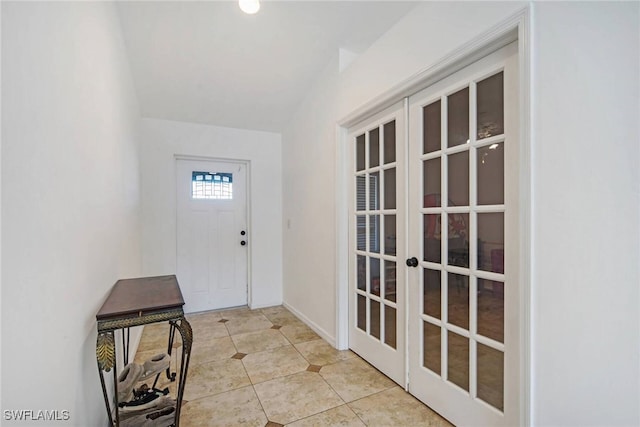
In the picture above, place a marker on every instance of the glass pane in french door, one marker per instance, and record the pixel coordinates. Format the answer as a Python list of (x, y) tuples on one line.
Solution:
[(490, 368), (374, 172)]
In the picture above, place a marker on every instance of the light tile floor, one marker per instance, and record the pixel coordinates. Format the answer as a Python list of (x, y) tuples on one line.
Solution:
[(267, 368)]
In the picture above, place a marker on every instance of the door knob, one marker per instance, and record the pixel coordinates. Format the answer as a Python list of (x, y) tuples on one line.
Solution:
[(412, 262), (243, 242), (242, 233)]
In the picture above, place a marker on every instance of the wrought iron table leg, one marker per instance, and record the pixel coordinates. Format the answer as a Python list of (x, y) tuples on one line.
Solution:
[(125, 345), (187, 340), (172, 333), (106, 357)]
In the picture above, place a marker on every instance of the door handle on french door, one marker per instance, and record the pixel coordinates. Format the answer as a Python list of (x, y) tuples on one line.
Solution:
[(412, 262), (243, 242)]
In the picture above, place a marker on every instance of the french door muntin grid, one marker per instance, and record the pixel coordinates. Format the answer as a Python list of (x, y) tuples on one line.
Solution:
[(372, 210), (473, 272)]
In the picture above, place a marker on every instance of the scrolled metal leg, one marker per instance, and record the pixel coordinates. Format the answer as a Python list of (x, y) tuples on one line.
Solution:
[(172, 333), (106, 358)]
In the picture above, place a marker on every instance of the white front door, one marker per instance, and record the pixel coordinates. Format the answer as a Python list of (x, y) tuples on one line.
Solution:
[(212, 235)]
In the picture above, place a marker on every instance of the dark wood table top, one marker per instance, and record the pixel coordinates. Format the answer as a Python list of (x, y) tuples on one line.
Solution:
[(141, 296)]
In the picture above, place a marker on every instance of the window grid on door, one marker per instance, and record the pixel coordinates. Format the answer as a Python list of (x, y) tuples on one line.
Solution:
[(464, 343), (211, 185), (376, 213)]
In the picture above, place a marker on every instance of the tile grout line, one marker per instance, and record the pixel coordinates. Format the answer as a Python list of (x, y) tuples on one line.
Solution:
[(364, 397), (255, 392), (295, 373), (344, 403), (327, 410), (222, 361), (306, 359), (326, 382), (297, 351), (267, 349), (253, 386)]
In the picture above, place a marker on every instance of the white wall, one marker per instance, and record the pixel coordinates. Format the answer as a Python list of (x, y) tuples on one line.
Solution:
[(309, 141), (585, 315), (70, 199), (309, 174), (427, 34), (161, 140), (586, 205)]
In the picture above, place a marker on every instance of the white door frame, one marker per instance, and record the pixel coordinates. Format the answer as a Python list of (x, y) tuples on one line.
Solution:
[(514, 28), (247, 164)]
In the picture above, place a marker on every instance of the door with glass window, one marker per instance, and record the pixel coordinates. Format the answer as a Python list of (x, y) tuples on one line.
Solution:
[(463, 222), (377, 276), (447, 245), (212, 235)]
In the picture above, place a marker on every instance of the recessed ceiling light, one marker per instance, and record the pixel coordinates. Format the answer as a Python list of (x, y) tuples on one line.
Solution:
[(249, 6)]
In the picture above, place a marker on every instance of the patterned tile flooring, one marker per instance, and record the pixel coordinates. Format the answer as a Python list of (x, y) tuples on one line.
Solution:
[(267, 368)]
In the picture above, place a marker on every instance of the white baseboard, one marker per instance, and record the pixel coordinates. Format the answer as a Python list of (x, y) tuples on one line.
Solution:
[(317, 329), (265, 305)]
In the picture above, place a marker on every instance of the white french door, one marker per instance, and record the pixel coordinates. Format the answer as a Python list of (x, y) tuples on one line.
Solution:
[(463, 222), (377, 297), (212, 237), (460, 268)]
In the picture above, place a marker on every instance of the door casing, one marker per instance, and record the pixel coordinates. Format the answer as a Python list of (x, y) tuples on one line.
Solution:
[(247, 165)]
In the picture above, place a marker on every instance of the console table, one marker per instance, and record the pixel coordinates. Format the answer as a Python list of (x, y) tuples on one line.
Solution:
[(135, 302)]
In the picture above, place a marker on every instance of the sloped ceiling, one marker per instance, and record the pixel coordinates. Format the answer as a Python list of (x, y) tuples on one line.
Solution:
[(208, 62)]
